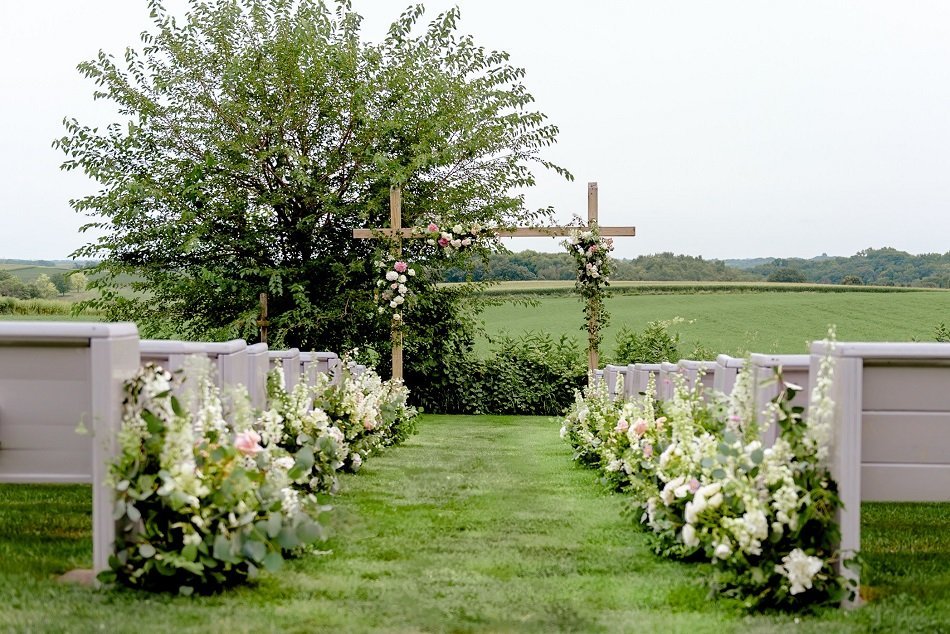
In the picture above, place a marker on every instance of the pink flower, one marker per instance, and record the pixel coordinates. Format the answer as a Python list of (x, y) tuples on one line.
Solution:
[(400, 267), (693, 485), (659, 422), (432, 228), (647, 450), (640, 427), (592, 248), (443, 242), (622, 426), (248, 442)]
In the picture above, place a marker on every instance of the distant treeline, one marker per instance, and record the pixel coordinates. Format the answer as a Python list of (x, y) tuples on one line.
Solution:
[(881, 267)]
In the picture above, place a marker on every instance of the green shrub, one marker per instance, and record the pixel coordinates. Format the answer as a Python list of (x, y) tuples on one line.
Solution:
[(654, 345), (532, 374), (942, 333)]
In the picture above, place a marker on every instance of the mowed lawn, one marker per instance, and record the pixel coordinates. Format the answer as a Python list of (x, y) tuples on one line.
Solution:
[(477, 524), (737, 322)]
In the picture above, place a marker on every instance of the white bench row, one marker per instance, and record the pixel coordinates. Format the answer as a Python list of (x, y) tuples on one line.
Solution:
[(719, 375), (891, 424), (56, 378)]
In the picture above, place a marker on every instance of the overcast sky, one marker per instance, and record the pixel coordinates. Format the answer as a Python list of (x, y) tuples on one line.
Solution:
[(722, 129)]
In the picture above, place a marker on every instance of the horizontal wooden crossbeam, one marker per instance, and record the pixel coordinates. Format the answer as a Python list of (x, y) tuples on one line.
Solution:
[(521, 232)]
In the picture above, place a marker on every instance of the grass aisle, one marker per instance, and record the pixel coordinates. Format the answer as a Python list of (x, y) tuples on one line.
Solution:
[(477, 524)]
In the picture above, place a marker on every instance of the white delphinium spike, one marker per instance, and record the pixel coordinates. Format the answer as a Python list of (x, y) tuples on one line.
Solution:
[(818, 424)]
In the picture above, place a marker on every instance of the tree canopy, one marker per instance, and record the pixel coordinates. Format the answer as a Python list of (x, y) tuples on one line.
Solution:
[(255, 135)]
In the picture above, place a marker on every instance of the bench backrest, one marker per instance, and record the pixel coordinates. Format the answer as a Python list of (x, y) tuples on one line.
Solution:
[(891, 435), (258, 364), (795, 369), (289, 360), (54, 376), (725, 372)]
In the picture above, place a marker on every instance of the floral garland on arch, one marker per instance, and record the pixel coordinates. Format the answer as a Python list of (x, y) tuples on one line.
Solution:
[(399, 280), (591, 253), (396, 284)]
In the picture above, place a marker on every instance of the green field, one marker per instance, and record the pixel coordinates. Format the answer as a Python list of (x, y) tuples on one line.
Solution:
[(735, 322)]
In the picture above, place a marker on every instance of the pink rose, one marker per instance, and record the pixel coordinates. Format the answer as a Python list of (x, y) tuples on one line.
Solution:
[(248, 442), (622, 426), (647, 451), (432, 228), (693, 485), (640, 427), (443, 242), (659, 422), (400, 267)]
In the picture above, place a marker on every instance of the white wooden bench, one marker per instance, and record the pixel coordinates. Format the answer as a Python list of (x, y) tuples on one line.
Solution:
[(289, 361), (229, 357), (724, 375), (698, 374), (795, 369), (258, 364), (314, 363), (55, 376), (891, 436), (665, 384), (643, 372)]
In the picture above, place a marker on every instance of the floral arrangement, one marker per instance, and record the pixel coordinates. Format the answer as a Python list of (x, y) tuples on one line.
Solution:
[(705, 486), (591, 253), (453, 239), (206, 499), (370, 413), (201, 503), (394, 287), (291, 422)]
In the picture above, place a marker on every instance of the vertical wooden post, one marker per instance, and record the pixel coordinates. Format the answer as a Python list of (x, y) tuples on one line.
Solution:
[(262, 322), (395, 222), (593, 355)]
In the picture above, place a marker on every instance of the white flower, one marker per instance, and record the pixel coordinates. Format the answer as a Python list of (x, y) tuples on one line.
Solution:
[(723, 550), (401, 279), (393, 304), (285, 462), (356, 460), (403, 289), (392, 276), (689, 536), (399, 299), (457, 229), (456, 243), (800, 569), (411, 272)]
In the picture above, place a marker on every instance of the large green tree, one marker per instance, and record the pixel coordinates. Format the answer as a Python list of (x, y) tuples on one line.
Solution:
[(256, 134)]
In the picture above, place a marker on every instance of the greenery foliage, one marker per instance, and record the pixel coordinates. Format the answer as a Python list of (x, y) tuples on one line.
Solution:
[(654, 345), (942, 333), (260, 133), (531, 374)]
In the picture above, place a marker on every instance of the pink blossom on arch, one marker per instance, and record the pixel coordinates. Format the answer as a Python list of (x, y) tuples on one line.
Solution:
[(432, 228), (443, 242), (400, 267)]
